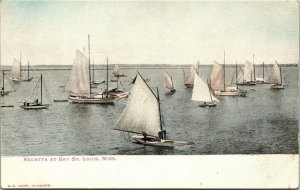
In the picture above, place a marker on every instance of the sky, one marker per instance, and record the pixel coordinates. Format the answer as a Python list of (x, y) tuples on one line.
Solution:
[(150, 32)]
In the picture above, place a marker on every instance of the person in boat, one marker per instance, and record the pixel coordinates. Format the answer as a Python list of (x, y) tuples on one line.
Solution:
[(145, 136), (2, 90), (162, 134)]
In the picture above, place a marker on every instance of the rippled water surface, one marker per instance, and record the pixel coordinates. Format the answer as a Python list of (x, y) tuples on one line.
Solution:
[(266, 121)]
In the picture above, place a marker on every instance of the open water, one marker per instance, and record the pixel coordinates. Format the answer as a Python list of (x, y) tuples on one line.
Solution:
[(264, 122)]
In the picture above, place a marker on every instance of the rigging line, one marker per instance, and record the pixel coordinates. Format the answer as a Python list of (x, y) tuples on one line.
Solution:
[(32, 95), (47, 92), (10, 83)]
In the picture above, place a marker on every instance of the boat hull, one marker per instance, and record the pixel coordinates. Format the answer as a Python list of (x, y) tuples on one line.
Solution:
[(153, 142), (247, 83), (230, 93), (34, 107), (189, 85), (27, 80), (85, 100), (277, 86), (208, 104)]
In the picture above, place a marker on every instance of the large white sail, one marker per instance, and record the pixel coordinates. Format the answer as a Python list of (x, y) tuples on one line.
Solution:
[(191, 76), (16, 69), (168, 81), (141, 113), (79, 80), (275, 76), (248, 72), (201, 91), (216, 78)]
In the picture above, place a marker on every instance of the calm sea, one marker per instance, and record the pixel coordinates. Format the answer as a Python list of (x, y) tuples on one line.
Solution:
[(266, 121)]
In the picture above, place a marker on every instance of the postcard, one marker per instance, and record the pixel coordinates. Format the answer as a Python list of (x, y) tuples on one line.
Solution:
[(149, 94)]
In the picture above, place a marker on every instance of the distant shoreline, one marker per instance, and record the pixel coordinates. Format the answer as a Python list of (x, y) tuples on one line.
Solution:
[(131, 66)]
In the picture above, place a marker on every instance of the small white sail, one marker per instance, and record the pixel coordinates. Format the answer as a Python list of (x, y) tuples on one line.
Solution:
[(141, 113), (275, 76), (117, 71), (216, 78), (191, 76), (79, 79), (168, 81), (248, 72), (201, 91), (16, 69)]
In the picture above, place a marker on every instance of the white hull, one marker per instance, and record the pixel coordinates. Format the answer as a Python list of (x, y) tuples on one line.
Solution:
[(16, 80), (85, 100), (34, 107), (230, 93), (153, 142)]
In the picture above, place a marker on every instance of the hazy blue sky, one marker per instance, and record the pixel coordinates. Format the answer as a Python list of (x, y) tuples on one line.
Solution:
[(150, 32)]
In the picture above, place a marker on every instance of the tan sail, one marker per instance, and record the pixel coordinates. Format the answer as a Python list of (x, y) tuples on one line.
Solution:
[(190, 78), (275, 76), (141, 114), (248, 72), (168, 81), (216, 78)]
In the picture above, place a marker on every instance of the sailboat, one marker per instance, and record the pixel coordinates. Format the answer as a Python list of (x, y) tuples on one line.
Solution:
[(247, 77), (189, 81), (275, 77), (79, 84), (117, 72), (169, 83), (17, 72), (202, 93), (36, 104), (217, 83), (3, 90), (146, 122)]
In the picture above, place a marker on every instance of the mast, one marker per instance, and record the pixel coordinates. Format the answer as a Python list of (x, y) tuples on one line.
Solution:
[(236, 82), (224, 71), (89, 64), (28, 70), (159, 109), (264, 71), (20, 65), (93, 71), (280, 76), (3, 80), (253, 68), (41, 89), (106, 77)]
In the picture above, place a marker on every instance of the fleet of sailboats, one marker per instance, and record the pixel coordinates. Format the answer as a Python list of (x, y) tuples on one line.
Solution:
[(202, 93), (169, 83), (275, 77)]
